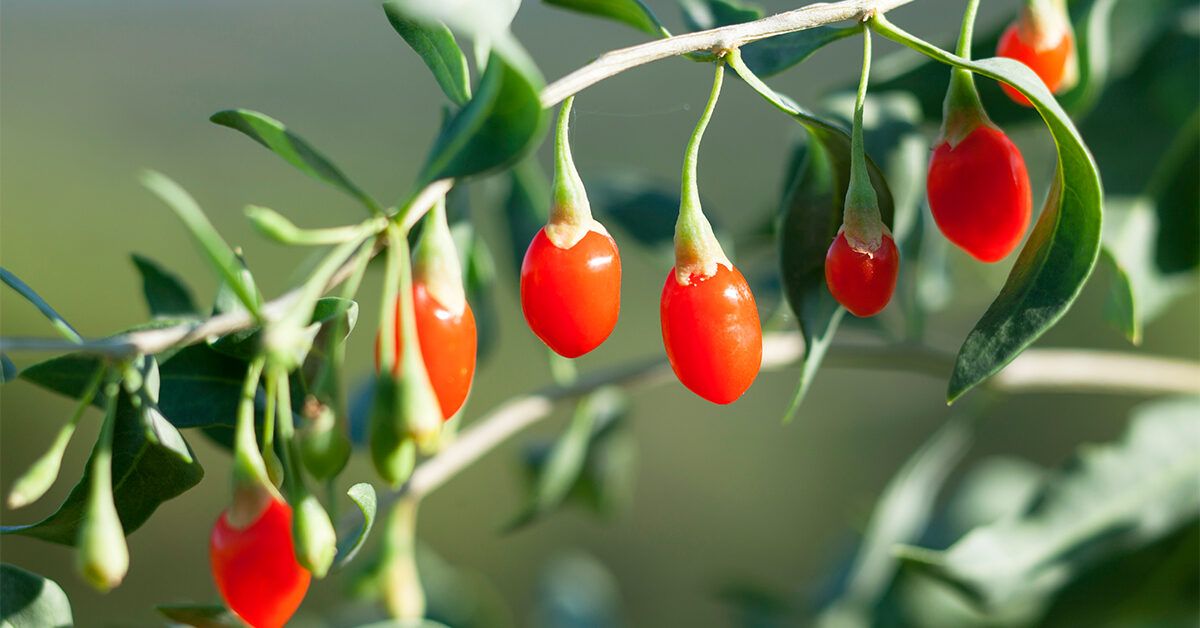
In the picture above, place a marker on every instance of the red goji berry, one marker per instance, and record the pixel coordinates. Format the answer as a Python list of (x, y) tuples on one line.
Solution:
[(572, 297), (712, 334), (862, 280), (1041, 39), (255, 566), (979, 193)]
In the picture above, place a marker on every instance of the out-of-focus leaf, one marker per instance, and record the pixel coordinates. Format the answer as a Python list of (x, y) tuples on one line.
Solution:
[(166, 294), (219, 254), (1098, 33), (634, 13), (436, 46), (901, 516), (28, 600), (479, 279), (144, 474), (1061, 251), (526, 207), (56, 320), (643, 208), (810, 216), (501, 122), (558, 473), (200, 615), (67, 375), (363, 496), (142, 383), (278, 139), (576, 591), (993, 489), (766, 56), (1115, 498)]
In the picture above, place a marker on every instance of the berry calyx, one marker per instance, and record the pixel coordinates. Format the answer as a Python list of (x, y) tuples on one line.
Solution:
[(571, 274), (862, 279), (1042, 39), (712, 334), (571, 297), (862, 263), (979, 193), (254, 565)]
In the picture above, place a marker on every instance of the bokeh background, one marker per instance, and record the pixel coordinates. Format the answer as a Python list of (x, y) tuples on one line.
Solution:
[(94, 91)]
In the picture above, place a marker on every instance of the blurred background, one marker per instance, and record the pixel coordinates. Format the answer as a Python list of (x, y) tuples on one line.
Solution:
[(726, 503)]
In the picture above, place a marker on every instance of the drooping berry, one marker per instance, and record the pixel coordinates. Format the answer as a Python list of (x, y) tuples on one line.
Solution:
[(572, 297), (255, 566), (712, 333), (861, 279), (979, 193), (1040, 38), (448, 342), (571, 274)]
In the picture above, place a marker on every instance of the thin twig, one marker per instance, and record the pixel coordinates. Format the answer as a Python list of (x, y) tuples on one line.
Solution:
[(1059, 370)]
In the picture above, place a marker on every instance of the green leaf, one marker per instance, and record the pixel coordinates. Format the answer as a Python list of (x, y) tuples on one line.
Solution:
[(1114, 498), (166, 294), (811, 215), (633, 13), (766, 56), (272, 134), (502, 121), (59, 323), (901, 515), (67, 375), (642, 208), (200, 615), (28, 600), (223, 258), (142, 382), (559, 473), (144, 476), (487, 20), (1140, 289), (437, 48), (526, 207), (363, 495), (1060, 253)]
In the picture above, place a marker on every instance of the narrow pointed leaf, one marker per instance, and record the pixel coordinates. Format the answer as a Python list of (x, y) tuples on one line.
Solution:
[(436, 46), (60, 324), (166, 294), (277, 138)]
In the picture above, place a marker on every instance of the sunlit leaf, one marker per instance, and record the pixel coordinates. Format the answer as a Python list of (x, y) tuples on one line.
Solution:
[(436, 46), (28, 600), (277, 138), (363, 496)]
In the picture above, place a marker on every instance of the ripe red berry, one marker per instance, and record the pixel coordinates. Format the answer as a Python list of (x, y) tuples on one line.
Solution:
[(1047, 55), (255, 567), (448, 342), (712, 334), (862, 281), (571, 297), (979, 193)]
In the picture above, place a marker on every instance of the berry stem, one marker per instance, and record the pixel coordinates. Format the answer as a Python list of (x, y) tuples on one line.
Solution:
[(252, 487), (861, 220), (697, 251), (436, 262), (962, 111), (569, 207)]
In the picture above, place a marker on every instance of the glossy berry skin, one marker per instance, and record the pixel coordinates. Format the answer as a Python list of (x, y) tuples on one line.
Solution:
[(979, 193), (572, 297), (448, 345), (862, 282), (255, 567), (1048, 62), (712, 334)]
